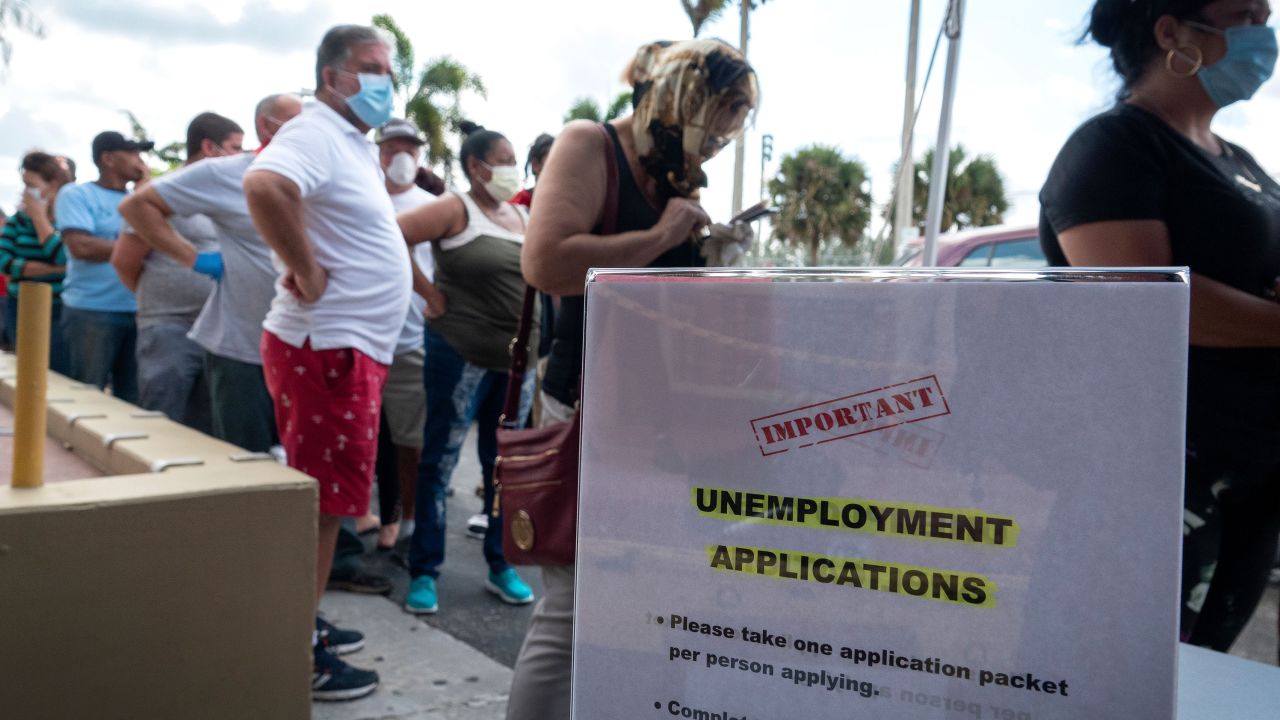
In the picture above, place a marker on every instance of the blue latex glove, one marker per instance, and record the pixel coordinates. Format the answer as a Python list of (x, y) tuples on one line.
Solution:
[(209, 263)]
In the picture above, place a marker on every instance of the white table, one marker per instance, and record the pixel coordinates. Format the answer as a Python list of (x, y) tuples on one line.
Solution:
[(1212, 685)]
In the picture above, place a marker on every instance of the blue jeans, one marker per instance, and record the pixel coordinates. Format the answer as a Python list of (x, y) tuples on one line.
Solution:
[(58, 360), (100, 347), (458, 394)]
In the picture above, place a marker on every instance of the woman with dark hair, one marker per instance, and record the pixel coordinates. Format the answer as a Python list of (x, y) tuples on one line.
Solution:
[(1148, 183), (473, 307), (537, 157), (690, 100), (31, 248)]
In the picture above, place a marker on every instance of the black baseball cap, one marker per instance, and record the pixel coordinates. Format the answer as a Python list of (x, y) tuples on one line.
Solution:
[(112, 140)]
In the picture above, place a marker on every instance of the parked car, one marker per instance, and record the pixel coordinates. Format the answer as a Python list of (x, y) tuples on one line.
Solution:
[(1001, 246)]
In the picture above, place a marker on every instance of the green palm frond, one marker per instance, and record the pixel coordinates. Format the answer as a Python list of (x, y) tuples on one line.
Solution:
[(16, 15), (822, 200), (583, 109), (701, 12), (402, 63), (975, 195)]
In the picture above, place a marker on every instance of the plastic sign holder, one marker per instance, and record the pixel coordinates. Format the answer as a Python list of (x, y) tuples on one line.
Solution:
[(881, 494)]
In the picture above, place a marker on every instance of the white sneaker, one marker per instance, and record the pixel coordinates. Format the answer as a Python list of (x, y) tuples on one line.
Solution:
[(477, 526)]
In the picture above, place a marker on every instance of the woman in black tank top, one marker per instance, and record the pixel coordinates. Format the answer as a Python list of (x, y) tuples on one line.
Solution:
[(635, 212), (570, 231)]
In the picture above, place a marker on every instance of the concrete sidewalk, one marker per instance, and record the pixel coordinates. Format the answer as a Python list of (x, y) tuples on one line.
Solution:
[(426, 673)]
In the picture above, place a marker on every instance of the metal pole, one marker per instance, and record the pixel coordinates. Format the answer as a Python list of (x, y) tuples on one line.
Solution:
[(906, 166), (35, 306), (942, 150), (766, 154), (740, 146)]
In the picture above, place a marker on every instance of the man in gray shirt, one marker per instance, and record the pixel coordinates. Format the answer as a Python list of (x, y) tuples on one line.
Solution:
[(170, 296), (229, 328)]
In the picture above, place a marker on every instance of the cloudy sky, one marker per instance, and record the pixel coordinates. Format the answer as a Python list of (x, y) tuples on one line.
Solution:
[(831, 71)]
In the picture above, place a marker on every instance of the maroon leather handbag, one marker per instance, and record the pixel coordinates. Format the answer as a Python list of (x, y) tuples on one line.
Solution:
[(536, 473)]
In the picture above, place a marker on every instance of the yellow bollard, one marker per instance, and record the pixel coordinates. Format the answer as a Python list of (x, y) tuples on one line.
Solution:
[(35, 306)]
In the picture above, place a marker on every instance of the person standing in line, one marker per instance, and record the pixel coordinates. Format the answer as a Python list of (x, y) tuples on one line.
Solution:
[(404, 400), (1148, 183), (537, 157), (31, 249), (659, 152), (473, 305), (170, 296), (98, 310), (317, 197), (538, 152), (229, 326)]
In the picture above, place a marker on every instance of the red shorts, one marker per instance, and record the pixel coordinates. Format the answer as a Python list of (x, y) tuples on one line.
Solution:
[(327, 406)]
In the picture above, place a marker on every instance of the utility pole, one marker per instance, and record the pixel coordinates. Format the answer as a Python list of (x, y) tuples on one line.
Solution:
[(942, 151), (740, 146), (766, 154), (906, 165)]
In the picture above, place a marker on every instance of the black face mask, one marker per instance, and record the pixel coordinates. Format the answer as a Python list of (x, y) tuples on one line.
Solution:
[(666, 163)]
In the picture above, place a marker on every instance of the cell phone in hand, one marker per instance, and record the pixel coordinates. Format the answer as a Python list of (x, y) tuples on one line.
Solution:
[(753, 213)]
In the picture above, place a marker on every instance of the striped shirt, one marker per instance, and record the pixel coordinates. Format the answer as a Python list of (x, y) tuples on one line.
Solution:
[(20, 244)]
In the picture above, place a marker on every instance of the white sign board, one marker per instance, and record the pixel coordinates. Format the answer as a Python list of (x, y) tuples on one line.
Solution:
[(894, 494)]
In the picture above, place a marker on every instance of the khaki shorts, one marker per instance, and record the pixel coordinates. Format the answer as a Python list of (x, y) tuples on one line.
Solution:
[(404, 399)]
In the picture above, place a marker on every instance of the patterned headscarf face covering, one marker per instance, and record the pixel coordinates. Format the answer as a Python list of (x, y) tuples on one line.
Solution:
[(691, 99)]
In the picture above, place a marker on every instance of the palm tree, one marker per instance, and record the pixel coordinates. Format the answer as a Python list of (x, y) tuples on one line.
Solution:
[(16, 15), (702, 12), (975, 195), (822, 198), (585, 108), (620, 106), (433, 98), (173, 155), (437, 105), (402, 63)]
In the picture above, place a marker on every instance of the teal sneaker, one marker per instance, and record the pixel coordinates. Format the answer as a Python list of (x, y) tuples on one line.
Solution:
[(422, 596), (508, 586)]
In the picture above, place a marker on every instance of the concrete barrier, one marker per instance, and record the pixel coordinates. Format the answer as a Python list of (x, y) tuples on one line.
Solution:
[(181, 586)]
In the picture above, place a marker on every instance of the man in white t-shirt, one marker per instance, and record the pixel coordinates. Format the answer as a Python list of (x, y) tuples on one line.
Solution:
[(404, 397), (317, 198)]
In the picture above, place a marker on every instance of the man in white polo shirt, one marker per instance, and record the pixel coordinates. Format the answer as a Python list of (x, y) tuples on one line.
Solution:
[(317, 198)]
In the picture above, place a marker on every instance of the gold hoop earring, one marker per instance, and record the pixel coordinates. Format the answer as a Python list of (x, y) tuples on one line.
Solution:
[(1195, 67)]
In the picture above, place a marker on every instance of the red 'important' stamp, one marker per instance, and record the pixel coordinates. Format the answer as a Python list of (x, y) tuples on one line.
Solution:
[(851, 415)]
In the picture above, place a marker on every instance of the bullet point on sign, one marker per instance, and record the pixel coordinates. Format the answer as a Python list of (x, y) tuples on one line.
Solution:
[(659, 619), (657, 706)]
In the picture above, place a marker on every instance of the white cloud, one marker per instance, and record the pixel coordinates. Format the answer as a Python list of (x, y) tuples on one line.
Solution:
[(254, 23), (831, 71), (1056, 24)]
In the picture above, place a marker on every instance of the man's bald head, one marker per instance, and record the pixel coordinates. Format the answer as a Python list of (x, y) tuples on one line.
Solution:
[(272, 112)]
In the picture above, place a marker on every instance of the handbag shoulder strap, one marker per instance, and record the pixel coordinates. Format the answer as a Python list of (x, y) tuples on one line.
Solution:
[(520, 344)]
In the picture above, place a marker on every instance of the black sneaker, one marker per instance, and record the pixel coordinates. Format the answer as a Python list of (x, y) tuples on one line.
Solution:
[(362, 582), (332, 679), (336, 640)]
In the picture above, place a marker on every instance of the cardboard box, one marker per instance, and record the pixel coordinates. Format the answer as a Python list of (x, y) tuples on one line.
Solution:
[(184, 594)]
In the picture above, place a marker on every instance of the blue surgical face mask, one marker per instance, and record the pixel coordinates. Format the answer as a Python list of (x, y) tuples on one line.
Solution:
[(1249, 62), (372, 104)]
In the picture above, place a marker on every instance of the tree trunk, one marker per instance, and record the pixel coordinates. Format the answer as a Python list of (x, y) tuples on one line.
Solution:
[(813, 251)]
